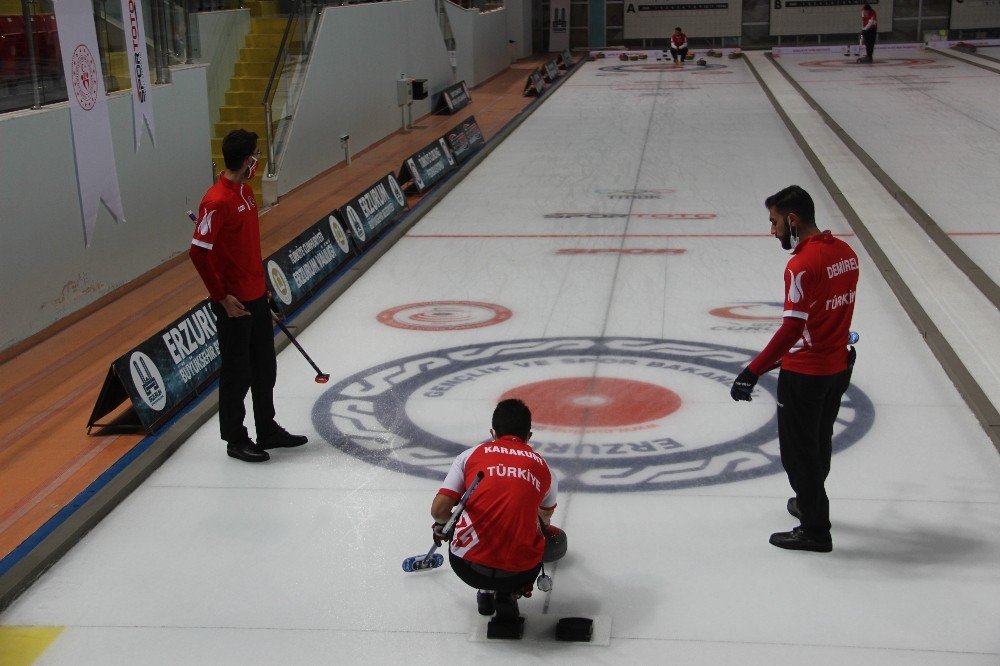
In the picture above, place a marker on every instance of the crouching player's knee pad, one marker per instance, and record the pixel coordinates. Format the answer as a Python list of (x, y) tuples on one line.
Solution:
[(555, 544)]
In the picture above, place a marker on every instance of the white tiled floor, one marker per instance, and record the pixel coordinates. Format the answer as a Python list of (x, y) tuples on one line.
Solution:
[(295, 561)]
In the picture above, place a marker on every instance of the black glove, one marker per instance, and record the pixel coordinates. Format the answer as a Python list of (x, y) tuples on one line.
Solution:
[(743, 386), (439, 536)]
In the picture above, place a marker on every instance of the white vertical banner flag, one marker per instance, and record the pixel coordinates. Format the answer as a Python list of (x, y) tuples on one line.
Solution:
[(135, 41), (558, 25), (96, 171)]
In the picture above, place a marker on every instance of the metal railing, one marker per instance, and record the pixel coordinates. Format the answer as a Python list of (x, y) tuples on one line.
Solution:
[(285, 83)]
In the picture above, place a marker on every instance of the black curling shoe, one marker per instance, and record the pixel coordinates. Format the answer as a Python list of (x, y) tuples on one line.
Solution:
[(280, 439), (247, 451), (799, 539)]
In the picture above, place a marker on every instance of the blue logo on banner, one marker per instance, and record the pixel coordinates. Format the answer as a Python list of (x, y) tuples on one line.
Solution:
[(604, 417)]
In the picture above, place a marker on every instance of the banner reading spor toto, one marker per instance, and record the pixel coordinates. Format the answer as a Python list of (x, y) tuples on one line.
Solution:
[(96, 172), (303, 265), (135, 43), (163, 373), (372, 212)]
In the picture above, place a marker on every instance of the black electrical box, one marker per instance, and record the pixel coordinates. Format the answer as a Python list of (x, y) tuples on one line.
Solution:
[(419, 89)]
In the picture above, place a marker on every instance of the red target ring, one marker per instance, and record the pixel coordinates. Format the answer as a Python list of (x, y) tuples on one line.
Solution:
[(595, 401)]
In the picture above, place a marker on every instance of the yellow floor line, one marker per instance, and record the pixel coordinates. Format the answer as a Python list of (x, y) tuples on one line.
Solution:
[(21, 646)]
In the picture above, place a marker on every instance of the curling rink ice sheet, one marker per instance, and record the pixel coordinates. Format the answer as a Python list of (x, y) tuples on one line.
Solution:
[(932, 123), (611, 264)]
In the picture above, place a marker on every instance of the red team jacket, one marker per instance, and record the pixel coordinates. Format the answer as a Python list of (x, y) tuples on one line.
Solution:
[(229, 229), (821, 280), (869, 19), (678, 41), (499, 528)]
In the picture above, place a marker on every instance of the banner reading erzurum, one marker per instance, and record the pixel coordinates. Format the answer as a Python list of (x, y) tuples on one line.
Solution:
[(96, 171), (135, 42)]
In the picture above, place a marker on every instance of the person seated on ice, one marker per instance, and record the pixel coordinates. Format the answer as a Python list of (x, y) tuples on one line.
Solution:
[(498, 543), (678, 45)]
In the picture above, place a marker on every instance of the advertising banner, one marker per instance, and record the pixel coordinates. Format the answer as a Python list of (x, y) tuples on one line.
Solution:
[(135, 43), (372, 212), (566, 59), (558, 25), (164, 372), (303, 265), (971, 15), (551, 71), (825, 17), (455, 97), (465, 139), (96, 171), (535, 84), (656, 19), (427, 166)]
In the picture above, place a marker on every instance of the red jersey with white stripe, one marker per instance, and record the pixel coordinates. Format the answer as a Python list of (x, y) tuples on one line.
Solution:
[(821, 280), (499, 528), (869, 19), (229, 231), (678, 40)]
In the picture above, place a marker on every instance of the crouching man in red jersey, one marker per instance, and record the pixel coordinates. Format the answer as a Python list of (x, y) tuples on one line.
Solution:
[(498, 543)]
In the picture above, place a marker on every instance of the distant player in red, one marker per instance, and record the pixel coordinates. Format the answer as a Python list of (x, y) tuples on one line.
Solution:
[(821, 281), (225, 250), (498, 543), (678, 45), (869, 31)]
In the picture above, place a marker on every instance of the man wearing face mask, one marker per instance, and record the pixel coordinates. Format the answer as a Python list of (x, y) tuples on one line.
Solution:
[(811, 347), (226, 252)]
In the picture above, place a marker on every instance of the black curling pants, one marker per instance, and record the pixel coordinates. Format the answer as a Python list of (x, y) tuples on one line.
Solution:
[(807, 410), (679, 53), (869, 37), (248, 364), (485, 578)]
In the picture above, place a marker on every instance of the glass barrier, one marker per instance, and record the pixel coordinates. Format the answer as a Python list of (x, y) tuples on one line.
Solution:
[(287, 75), (31, 72)]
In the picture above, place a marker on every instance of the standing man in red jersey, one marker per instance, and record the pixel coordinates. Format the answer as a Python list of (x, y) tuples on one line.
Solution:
[(821, 280), (869, 31), (226, 252), (498, 543)]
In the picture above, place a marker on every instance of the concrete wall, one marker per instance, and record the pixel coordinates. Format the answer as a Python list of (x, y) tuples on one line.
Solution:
[(219, 36), (519, 26), (481, 42), (46, 271), (350, 87)]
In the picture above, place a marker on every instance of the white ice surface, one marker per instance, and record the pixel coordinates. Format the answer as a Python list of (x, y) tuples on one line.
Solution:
[(933, 124), (297, 561)]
